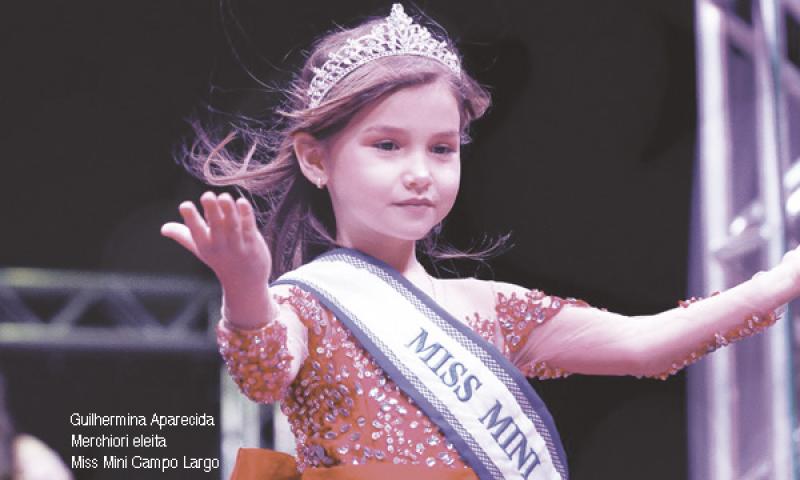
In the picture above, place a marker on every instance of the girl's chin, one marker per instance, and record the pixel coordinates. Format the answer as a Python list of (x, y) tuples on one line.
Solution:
[(389, 238), (414, 230), (416, 236), (411, 235)]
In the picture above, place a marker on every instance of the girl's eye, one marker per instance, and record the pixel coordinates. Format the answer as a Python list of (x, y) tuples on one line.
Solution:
[(442, 149), (386, 145)]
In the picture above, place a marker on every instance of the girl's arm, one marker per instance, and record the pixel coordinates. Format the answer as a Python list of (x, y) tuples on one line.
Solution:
[(264, 361), (572, 337), (263, 343)]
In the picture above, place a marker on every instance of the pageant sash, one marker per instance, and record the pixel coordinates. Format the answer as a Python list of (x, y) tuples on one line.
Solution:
[(481, 402)]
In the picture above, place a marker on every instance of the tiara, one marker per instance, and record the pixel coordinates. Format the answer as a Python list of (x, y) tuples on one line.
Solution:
[(397, 35)]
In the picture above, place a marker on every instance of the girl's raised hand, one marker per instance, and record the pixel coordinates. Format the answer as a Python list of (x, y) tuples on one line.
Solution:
[(227, 239), (790, 264)]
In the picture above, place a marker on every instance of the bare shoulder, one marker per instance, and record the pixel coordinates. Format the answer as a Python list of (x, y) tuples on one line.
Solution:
[(478, 287), (463, 287), (508, 289), (476, 295)]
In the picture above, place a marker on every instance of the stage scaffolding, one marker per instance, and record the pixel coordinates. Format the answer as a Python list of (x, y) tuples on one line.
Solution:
[(85, 311), (742, 410)]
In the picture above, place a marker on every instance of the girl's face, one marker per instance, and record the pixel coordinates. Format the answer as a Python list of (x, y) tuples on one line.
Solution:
[(393, 172)]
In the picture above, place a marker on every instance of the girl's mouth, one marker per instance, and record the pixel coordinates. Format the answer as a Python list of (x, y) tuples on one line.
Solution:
[(417, 202)]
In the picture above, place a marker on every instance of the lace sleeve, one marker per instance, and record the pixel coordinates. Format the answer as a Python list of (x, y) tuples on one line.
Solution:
[(518, 316), (751, 324), (263, 362), (546, 340)]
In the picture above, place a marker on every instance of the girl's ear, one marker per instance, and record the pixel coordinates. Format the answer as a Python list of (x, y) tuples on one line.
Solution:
[(310, 154)]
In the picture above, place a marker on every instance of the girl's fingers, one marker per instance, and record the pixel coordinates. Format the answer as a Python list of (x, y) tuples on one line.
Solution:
[(231, 215), (247, 218), (181, 234), (213, 212), (195, 223)]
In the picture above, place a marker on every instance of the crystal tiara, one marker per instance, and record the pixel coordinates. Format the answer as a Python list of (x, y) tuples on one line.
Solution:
[(397, 35)]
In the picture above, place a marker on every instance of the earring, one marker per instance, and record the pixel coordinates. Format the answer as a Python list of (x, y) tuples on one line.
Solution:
[(319, 182)]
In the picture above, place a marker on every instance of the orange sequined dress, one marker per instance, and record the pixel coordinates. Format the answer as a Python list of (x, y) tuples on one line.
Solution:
[(344, 410)]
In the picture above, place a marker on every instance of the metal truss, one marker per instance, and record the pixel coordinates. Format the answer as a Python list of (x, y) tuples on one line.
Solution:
[(742, 421), (88, 311), (102, 311)]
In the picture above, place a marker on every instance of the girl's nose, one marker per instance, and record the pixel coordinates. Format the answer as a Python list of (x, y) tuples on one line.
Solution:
[(418, 175), (419, 183)]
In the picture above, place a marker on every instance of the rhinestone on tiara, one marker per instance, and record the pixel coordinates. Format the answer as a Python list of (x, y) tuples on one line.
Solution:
[(397, 35)]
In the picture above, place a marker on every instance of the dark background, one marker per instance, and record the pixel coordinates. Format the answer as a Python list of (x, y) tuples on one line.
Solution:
[(586, 157)]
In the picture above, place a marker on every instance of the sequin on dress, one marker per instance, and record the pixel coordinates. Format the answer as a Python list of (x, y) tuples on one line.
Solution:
[(752, 324), (343, 409)]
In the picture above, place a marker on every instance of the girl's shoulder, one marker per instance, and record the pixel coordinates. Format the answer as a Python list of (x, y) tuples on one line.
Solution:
[(477, 288), (462, 297), (291, 300), (282, 289), (473, 295)]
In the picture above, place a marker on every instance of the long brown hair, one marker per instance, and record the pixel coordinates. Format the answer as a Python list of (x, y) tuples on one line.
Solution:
[(297, 218)]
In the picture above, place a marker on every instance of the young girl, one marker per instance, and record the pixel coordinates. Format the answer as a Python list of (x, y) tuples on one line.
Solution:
[(382, 369)]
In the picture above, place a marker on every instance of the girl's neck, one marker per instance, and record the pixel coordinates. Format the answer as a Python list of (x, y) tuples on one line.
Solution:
[(401, 256)]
